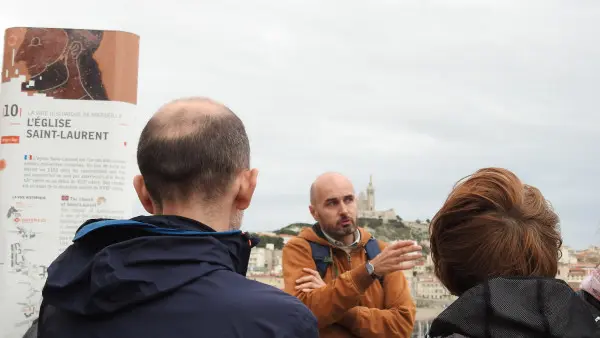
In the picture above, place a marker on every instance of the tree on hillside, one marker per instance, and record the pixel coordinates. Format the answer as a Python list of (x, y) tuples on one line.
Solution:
[(371, 223), (292, 229), (264, 240), (396, 223), (286, 232)]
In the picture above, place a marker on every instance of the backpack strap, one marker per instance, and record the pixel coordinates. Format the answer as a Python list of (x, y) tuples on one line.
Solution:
[(320, 254), (372, 249)]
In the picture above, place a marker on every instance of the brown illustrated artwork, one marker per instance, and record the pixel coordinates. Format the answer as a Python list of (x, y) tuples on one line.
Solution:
[(73, 64), (61, 63)]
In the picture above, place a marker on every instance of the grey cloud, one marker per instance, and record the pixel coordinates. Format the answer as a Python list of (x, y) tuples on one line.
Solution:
[(418, 93)]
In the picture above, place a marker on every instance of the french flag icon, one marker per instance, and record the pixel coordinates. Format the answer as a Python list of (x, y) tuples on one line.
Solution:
[(27, 157)]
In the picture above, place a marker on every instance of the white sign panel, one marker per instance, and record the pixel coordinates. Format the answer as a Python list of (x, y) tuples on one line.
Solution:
[(64, 156)]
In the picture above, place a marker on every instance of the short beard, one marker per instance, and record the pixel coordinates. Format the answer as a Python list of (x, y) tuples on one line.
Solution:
[(339, 234), (235, 221)]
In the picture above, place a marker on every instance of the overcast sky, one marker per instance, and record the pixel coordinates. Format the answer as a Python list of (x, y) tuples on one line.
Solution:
[(417, 93)]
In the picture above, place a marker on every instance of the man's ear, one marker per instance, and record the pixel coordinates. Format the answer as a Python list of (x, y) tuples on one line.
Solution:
[(140, 188), (246, 189), (313, 212)]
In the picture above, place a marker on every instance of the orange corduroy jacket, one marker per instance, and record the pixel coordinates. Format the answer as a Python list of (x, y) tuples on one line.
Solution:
[(352, 304)]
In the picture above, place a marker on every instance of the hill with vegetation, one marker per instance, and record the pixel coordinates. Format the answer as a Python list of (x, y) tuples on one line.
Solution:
[(264, 240), (387, 232)]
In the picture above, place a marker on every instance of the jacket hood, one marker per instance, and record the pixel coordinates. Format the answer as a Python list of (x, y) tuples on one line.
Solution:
[(116, 264), (516, 307), (315, 234)]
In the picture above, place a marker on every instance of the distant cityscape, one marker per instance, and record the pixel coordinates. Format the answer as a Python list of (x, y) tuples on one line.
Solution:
[(430, 296)]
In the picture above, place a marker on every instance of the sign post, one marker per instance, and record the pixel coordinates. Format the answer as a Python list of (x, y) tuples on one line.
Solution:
[(67, 101)]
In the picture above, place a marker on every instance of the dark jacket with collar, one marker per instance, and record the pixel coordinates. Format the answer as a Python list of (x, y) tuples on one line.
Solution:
[(170, 277), (516, 307)]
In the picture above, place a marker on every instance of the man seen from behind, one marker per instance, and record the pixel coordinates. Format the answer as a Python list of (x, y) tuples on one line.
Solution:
[(180, 272)]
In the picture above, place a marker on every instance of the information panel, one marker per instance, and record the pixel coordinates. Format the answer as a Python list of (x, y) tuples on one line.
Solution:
[(67, 101)]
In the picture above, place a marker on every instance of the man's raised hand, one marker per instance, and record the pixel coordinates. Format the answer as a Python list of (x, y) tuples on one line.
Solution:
[(398, 256)]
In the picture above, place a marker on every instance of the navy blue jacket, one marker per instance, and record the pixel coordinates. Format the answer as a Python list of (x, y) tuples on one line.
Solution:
[(167, 276)]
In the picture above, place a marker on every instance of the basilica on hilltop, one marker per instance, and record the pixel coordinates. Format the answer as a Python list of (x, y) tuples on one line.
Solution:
[(366, 205)]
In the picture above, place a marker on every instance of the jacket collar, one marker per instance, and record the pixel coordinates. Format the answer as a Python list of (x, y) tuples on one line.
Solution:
[(357, 237)]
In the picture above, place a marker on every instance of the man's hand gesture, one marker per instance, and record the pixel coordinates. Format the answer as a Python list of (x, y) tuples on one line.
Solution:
[(398, 256), (309, 282)]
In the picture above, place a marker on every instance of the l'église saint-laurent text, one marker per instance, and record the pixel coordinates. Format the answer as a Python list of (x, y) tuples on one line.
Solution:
[(60, 130)]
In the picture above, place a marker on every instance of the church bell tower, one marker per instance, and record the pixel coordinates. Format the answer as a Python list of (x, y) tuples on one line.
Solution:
[(370, 195)]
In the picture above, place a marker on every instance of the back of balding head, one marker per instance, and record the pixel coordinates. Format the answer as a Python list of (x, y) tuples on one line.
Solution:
[(192, 146), (185, 116)]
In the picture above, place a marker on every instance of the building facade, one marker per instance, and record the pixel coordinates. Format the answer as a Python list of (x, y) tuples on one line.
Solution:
[(265, 260)]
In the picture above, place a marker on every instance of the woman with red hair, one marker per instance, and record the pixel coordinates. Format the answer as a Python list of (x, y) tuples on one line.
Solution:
[(495, 244)]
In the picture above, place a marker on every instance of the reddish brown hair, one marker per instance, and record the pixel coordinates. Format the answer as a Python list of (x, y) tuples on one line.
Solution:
[(493, 225)]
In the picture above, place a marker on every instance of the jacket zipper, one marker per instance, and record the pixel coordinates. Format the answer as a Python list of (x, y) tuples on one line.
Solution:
[(349, 260)]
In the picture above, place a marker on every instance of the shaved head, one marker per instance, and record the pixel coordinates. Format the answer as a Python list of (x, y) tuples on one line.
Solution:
[(323, 181), (192, 147), (333, 205)]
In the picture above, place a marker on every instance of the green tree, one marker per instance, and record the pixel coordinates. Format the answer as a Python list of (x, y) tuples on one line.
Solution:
[(292, 229), (286, 232), (264, 240)]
